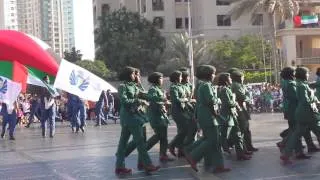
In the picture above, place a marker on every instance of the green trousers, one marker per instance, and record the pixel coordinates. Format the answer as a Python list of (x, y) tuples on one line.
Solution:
[(191, 132), (182, 131), (299, 131), (233, 133), (209, 148), (138, 138), (161, 134)]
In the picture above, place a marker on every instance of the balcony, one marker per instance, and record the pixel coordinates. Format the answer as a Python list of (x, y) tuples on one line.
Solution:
[(308, 60)]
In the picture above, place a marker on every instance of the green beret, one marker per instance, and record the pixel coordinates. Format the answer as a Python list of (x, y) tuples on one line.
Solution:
[(208, 70), (183, 69), (154, 77), (126, 72), (223, 77), (301, 73), (174, 77), (231, 70)]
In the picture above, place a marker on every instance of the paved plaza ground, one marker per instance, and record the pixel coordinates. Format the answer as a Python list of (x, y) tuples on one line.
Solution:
[(92, 156)]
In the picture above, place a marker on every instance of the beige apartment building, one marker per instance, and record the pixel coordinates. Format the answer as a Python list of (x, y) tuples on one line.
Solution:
[(296, 46), (171, 16), (300, 44)]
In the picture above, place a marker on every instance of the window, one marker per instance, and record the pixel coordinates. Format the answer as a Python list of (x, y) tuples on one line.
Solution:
[(257, 20), (157, 5), (222, 3), (105, 9), (186, 22), (223, 20), (179, 23), (158, 22)]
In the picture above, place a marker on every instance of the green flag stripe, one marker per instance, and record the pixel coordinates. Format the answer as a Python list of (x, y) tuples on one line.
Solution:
[(39, 74), (6, 69)]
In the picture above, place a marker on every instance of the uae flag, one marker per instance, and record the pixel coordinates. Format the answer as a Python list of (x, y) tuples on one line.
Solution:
[(305, 20), (23, 74), (26, 59)]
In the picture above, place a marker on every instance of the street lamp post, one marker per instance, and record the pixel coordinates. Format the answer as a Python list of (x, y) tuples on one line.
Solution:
[(190, 45)]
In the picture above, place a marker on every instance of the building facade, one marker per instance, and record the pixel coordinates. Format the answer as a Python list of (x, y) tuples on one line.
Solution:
[(299, 40), (297, 44), (8, 15), (50, 20), (171, 16)]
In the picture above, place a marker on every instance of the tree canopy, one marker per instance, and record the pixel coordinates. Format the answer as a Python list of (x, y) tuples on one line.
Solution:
[(97, 67), (125, 38), (73, 56)]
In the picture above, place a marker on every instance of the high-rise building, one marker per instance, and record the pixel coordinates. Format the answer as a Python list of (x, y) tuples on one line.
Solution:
[(1, 14), (50, 20), (8, 14)]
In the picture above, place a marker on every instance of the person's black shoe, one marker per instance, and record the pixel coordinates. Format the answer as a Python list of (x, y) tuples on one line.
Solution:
[(27, 126), (82, 129), (12, 138), (72, 129), (2, 135)]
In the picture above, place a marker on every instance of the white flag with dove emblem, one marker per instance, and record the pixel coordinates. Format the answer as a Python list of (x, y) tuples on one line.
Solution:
[(79, 81), (9, 90)]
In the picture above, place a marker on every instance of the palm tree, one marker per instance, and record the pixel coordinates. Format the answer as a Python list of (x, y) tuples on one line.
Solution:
[(276, 9), (176, 53)]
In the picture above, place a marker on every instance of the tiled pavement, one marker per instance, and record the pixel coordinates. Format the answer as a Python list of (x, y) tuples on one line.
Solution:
[(91, 156)]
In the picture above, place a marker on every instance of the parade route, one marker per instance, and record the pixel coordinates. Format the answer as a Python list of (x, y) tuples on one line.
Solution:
[(91, 156)]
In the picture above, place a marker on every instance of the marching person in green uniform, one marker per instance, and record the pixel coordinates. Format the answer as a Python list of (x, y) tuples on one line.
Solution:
[(317, 84), (131, 123), (142, 111), (243, 100), (290, 102), (189, 109), (306, 114), (230, 126), (178, 100), (157, 115), (200, 77), (209, 148)]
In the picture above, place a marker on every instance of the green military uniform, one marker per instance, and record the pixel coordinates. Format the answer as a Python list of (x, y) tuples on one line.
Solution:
[(131, 123), (178, 101), (209, 148), (189, 114), (158, 119), (230, 127), (243, 114), (142, 112), (306, 115)]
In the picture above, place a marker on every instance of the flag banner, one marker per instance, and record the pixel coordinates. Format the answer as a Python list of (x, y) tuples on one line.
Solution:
[(9, 90), (309, 19), (78, 81)]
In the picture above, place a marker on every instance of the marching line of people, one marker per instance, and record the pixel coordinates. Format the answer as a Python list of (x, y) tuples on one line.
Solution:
[(301, 111), (219, 111)]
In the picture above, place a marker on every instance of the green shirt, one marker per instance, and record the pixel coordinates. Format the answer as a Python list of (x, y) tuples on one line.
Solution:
[(129, 103), (207, 100), (156, 114)]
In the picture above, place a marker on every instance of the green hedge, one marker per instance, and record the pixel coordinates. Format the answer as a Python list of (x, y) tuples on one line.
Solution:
[(256, 77)]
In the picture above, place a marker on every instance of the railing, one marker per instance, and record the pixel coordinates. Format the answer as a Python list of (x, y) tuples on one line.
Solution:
[(308, 60)]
